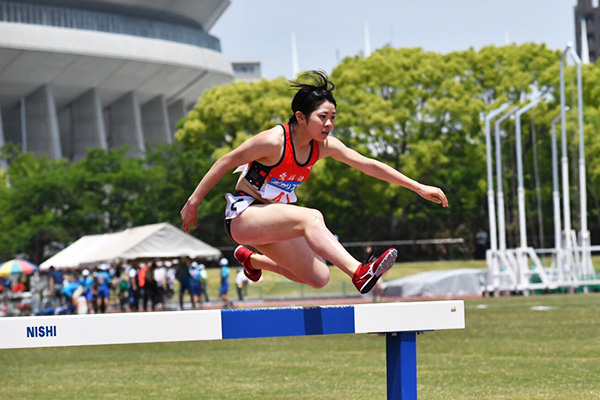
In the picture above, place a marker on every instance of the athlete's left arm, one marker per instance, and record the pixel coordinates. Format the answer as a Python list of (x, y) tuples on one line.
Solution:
[(334, 148)]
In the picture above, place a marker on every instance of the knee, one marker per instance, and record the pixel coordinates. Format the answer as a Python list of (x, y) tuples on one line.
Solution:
[(314, 218), (320, 280)]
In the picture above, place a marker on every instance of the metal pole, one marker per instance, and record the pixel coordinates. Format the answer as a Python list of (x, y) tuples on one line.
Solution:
[(558, 249), (522, 279), (23, 125), (500, 192), (490, 181), (584, 234), (555, 186), (564, 160), (582, 182), (521, 188)]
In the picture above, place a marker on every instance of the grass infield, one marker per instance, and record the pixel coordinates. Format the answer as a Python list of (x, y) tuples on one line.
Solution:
[(539, 347)]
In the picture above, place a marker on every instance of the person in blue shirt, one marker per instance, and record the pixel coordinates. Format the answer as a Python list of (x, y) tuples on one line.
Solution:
[(87, 283), (103, 282), (184, 278), (195, 283), (55, 283), (224, 263), (71, 291)]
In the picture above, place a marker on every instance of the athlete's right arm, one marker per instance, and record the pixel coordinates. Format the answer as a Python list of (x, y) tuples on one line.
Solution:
[(263, 146)]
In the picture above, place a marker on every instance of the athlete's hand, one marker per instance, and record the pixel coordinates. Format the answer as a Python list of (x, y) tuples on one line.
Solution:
[(433, 194), (189, 216)]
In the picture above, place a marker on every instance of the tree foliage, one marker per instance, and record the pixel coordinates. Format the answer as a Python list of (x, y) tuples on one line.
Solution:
[(421, 112), (49, 204)]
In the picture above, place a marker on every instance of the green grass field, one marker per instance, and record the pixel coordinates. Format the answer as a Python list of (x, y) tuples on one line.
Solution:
[(510, 350)]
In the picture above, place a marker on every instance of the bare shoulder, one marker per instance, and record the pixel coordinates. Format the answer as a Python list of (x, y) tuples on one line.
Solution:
[(264, 147), (273, 136), (331, 147)]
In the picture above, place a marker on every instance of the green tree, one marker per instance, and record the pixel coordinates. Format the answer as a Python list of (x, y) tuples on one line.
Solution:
[(49, 204), (38, 206), (181, 168), (239, 108), (421, 112)]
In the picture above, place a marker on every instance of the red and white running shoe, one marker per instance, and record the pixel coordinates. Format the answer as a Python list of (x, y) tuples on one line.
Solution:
[(368, 273), (242, 254)]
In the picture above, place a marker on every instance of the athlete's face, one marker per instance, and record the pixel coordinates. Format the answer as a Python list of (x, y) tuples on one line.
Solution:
[(321, 121)]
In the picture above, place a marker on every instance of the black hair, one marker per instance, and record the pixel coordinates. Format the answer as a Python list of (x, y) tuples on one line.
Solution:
[(310, 96)]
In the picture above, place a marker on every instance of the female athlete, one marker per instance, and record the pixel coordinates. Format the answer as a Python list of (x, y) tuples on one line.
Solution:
[(294, 241)]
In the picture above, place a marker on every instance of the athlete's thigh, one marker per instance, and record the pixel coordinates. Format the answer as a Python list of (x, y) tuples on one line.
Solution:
[(297, 257), (269, 223)]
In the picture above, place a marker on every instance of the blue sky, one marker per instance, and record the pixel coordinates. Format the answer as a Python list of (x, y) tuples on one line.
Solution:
[(328, 30)]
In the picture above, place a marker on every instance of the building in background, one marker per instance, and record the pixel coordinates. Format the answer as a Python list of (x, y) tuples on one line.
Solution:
[(587, 15), (249, 71), (79, 74)]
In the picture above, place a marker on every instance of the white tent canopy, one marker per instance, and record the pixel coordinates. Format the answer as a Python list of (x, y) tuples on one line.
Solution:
[(150, 241)]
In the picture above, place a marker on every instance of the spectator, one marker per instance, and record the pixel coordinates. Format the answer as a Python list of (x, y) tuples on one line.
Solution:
[(19, 286), (87, 283), (241, 283), (5, 284), (204, 282), (160, 276), (184, 278), (170, 279), (134, 289), (195, 283), (55, 283), (481, 244), (149, 287), (71, 291), (142, 284), (124, 289), (224, 263), (103, 281)]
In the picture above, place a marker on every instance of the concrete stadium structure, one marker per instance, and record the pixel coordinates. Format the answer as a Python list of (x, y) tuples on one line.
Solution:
[(79, 74)]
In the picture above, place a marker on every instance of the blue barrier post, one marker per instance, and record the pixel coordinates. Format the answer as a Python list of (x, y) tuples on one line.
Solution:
[(401, 360)]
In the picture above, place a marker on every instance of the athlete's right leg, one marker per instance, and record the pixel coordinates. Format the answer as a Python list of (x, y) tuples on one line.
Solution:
[(263, 225)]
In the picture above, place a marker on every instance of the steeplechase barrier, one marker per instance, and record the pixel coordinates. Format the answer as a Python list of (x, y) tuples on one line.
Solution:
[(400, 322)]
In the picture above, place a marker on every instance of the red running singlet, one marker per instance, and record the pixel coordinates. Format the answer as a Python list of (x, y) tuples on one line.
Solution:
[(277, 183)]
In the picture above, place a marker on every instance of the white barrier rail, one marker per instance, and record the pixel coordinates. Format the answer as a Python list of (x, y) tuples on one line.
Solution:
[(399, 321)]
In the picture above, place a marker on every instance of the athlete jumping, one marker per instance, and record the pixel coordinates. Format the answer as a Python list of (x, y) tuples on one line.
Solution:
[(294, 241)]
